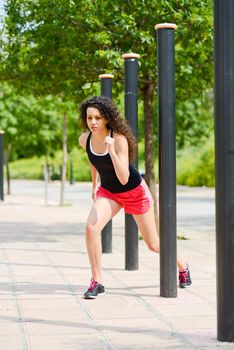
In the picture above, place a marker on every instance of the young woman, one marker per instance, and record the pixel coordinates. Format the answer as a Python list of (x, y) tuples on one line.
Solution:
[(111, 149)]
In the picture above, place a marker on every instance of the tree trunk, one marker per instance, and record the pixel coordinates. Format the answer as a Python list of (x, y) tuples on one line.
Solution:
[(7, 155), (148, 92), (64, 164)]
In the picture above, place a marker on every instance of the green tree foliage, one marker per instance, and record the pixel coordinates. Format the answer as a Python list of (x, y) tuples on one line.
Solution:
[(60, 43), (59, 47), (52, 45), (31, 125)]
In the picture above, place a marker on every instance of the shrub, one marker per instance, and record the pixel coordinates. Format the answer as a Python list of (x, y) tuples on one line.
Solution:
[(195, 165)]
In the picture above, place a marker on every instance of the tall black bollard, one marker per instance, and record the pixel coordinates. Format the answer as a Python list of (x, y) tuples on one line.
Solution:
[(106, 90), (167, 159), (1, 166), (131, 113), (106, 84), (224, 152)]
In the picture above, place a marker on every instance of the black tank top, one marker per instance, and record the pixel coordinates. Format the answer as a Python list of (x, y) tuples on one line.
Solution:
[(105, 168)]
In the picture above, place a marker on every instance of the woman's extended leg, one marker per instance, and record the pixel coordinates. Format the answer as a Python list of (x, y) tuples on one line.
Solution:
[(101, 212), (147, 228)]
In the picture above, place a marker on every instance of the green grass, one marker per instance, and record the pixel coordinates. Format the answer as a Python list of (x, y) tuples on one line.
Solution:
[(33, 168), (181, 238), (27, 168)]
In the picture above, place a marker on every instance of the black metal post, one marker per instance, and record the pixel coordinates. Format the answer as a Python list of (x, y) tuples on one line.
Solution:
[(131, 113), (106, 90), (106, 84), (167, 159), (1, 166), (224, 152)]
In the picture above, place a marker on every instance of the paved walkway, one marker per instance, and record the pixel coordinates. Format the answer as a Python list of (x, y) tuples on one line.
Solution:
[(44, 271)]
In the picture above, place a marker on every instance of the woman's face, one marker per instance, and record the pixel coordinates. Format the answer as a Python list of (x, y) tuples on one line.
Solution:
[(95, 120)]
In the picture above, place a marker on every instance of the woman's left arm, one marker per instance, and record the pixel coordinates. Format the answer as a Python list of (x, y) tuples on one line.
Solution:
[(118, 150)]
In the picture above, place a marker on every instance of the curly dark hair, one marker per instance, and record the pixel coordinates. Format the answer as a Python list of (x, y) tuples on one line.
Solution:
[(111, 114)]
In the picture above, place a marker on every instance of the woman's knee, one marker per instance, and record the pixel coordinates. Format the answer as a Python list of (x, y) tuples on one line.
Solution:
[(91, 229), (153, 247)]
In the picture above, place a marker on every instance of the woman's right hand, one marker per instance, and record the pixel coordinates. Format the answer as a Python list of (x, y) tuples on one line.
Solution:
[(94, 191)]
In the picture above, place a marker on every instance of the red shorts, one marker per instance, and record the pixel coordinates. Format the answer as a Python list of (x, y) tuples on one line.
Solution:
[(136, 201)]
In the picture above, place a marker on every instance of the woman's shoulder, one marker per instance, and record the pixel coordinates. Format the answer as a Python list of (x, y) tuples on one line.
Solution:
[(120, 140), (119, 137), (83, 139)]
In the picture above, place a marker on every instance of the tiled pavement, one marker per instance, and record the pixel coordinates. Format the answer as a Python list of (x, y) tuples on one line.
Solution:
[(44, 271)]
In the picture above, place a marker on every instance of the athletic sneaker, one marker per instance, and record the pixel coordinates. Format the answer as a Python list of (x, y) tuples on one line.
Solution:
[(184, 278), (94, 290)]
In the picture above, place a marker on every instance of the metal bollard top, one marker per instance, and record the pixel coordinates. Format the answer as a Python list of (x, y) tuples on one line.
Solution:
[(166, 26), (102, 76), (130, 55)]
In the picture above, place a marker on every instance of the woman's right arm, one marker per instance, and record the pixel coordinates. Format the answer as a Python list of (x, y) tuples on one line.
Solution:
[(93, 170), (95, 178)]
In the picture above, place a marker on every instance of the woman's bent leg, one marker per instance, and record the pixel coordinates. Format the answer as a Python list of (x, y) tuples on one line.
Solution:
[(101, 212), (147, 228)]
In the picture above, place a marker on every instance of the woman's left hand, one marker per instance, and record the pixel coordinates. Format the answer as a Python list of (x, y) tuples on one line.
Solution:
[(110, 142)]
